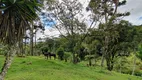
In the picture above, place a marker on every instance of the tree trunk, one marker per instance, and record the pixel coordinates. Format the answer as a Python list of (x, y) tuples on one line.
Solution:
[(134, 63), (35, 38), (109, 63), (120, 69), (25, 47), (31, 40), (35, 51), (102, 60), (73, 54), (109, 66), (21, 48), (8, 60), (20, 52), (66, 60), (90, 62)]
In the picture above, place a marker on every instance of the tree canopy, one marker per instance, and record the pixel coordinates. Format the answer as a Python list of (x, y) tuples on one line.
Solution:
[(15, 18)]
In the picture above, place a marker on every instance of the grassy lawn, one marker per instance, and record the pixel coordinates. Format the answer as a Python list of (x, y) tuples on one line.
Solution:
[(37, 68)]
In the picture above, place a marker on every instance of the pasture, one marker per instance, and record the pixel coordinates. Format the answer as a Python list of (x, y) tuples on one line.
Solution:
[(38, 68)]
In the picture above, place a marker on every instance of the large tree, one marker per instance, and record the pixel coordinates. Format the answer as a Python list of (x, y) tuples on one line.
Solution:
[(65, 15), (14, 20), (137, 33), (70, 21), (108, 9)]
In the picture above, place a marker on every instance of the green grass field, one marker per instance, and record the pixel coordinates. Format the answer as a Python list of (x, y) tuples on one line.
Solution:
[(37, 68)]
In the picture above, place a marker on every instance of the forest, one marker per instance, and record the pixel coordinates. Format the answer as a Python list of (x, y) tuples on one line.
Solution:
[(95, 42)]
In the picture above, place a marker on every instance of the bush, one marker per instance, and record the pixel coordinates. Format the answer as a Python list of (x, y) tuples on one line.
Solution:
[(138, 73), (66, 56), (44, 49), (60, 53)]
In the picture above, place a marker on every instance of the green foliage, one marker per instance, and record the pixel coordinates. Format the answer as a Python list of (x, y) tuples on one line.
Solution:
[(122, 65), (67, 56), (3, 51), (82, 53), (15, 19), (60, 53), (44, 49), (88, 57), (139, 53), (103, 8), (107, 9)]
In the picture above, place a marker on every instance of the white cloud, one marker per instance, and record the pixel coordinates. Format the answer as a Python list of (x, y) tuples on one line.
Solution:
[(49, 32), (134, 7)]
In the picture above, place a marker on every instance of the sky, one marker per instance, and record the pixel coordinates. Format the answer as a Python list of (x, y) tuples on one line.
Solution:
[(132, 6), (135, 8)]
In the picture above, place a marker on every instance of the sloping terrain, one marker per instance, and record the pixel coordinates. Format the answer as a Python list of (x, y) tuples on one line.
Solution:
[(37, 68)]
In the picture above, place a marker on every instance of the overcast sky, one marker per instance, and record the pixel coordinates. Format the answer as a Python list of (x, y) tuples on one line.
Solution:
[(135, 8), (132, 6)]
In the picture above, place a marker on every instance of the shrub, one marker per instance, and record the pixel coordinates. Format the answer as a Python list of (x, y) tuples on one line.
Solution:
[(66, 56), (44, 49), (60, 53)]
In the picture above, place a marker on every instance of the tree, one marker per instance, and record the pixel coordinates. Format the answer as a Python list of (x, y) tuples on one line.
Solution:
[(137, 34), (31, 39), (91, 44), (21, 49), (16, 16), (65, 14), (49, 42), (69, 21), (25, 42), (108, 11), (37, 26), (97, 36)]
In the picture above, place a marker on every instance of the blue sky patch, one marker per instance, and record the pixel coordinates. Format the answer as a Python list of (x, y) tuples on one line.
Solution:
[(140, 18), (46, 21)]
